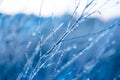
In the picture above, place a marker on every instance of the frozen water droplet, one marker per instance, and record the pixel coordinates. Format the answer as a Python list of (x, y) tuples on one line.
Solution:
[(90, 39), (74, 55), (69, 73), (49, 64), (34, 34), (88, 79), (37, 48), (68, 49), (58, 71), (74, 46), (39, 32), (102, 35), (28, 45), (61, 24)]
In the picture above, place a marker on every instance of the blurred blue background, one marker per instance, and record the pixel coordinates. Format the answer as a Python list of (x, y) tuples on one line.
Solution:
[(17, 30)]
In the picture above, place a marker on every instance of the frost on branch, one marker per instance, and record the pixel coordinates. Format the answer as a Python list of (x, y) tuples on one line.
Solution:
[(70, 47)]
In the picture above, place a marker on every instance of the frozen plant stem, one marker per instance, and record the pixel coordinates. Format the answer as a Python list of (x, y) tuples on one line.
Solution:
[(57, 44)]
